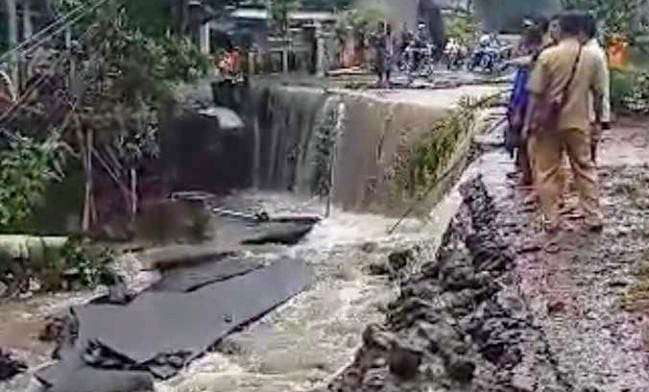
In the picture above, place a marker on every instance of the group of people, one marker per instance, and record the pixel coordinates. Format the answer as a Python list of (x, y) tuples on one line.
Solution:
[(390, 49), (560, 105)]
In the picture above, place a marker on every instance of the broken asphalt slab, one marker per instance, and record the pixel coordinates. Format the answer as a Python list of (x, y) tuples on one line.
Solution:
[(167, 322), (161, 331), (283, 233), (10, 367), (73, 375), (210, 271)]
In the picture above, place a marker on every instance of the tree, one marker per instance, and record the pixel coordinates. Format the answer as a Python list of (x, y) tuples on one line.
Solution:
[(27, 167), (620, 18), (280, 12), (127, 77)]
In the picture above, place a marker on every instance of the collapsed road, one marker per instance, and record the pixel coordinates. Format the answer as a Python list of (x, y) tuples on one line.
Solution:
[(106, 347)]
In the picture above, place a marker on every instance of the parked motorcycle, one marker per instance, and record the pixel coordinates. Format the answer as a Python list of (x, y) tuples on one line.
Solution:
[(490, 59), (419, 61), (454, 55)]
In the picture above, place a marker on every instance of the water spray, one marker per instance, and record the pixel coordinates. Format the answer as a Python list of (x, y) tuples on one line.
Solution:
[(338, 130)]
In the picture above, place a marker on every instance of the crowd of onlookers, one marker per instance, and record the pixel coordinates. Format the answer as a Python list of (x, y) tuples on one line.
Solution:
[(559, 107)]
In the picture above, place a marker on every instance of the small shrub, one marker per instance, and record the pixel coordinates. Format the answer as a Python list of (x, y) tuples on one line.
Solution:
[(91, 264), (621, 89), (630, 91), (420, 166), (638, 100)]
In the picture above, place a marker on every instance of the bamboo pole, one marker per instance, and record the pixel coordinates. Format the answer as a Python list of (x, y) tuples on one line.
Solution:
[(134, 198), (88, 208), (12, 27)]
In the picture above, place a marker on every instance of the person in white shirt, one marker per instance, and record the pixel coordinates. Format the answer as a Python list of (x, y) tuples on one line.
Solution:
[(601, 104)]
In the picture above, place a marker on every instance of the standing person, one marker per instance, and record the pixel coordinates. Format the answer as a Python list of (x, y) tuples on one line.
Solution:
[(384, 51), (559, 116), (515, 141), (553, 35), (598, 106), (407, 39)]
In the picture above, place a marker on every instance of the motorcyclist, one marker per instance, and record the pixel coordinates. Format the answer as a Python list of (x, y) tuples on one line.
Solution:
[(420, 44), (406, 39), (454, 52), (423, 36)]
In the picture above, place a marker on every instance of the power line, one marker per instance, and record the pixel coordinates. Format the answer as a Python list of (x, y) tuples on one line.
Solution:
[(40, 33), (10, 113), (44, 32)]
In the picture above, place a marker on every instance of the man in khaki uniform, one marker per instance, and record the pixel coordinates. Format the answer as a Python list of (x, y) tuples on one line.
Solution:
[(549, 78)]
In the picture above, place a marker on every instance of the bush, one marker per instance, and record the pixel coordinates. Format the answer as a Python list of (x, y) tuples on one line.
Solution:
[(26, 168), (621, 89), (463, 28), (630, 91), (89, 265), (638, 100)]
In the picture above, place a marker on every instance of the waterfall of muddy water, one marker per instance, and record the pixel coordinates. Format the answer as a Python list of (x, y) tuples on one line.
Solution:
[(289, 122), (256, 164)]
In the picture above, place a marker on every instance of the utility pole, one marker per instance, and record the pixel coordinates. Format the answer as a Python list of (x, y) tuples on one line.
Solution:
[(12, 38)]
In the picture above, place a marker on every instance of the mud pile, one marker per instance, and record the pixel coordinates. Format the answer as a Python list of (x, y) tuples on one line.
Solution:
[(459, 324)]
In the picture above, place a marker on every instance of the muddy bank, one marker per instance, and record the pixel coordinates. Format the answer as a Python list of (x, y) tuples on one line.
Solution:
[(456, 325), (496, 312)]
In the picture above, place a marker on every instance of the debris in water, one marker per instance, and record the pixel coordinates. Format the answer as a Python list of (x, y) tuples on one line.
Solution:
[(10, 367), (161, 331)]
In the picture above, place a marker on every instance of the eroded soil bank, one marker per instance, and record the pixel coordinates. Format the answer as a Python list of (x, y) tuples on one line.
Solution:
[(495, 312)]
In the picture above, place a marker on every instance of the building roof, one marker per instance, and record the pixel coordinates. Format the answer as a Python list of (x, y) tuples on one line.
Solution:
[(262, 14)]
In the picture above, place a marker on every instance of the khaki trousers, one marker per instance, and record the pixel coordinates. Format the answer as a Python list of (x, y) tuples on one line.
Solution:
[(547, 152)]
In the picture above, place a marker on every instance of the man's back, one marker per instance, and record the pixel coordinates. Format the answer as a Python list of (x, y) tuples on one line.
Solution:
[(552, 74)]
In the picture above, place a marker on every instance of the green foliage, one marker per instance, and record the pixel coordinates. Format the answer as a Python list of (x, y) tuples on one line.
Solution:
[(91, 264), (630, 91), (638, 100), (620, 17), (280, 10), (181, 60), (621, 88), (129, 77), (361, 21), (463, 28), (26, 168), (421, 166)]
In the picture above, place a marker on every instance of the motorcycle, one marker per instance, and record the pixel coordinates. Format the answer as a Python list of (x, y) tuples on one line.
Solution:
[(454, 55), (490, 59), (419, 61)]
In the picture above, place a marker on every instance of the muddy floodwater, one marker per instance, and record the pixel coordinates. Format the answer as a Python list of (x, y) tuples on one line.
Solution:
[(303, 343), (298, 346)]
